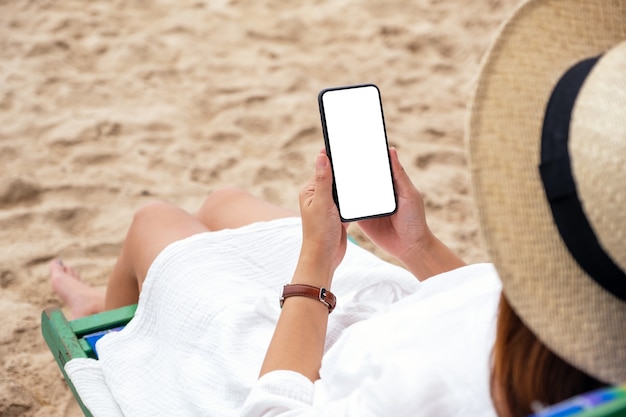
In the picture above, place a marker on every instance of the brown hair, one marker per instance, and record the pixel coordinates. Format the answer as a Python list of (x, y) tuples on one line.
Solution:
[(525, 371)]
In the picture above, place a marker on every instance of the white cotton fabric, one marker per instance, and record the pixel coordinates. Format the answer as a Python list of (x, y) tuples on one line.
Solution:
[(208, 309)]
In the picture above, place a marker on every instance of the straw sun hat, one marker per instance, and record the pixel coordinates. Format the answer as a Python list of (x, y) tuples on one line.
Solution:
[(562, 262)]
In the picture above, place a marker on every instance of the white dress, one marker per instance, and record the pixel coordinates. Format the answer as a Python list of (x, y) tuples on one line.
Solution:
[(208, 309)]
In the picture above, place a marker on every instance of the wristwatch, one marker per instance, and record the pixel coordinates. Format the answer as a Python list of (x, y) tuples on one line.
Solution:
[(302, 290)]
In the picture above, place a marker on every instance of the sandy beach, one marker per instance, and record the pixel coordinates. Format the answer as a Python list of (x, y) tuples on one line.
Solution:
[(105, 106)]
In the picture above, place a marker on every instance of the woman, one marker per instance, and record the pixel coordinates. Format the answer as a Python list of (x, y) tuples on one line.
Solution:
[(239, 310), (547, 141)]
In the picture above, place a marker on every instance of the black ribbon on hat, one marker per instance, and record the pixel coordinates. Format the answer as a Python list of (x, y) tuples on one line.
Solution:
[(560, 186)]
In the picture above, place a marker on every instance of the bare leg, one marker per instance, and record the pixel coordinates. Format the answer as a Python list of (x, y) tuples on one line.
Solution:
[(230, 208), (157, 225), (154, 227)]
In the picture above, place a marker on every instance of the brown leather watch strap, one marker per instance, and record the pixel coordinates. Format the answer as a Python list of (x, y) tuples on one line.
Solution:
[(309, 291)]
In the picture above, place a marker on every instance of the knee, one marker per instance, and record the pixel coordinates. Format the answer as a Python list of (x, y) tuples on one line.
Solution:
[(223, 195), (220, 203), (151, 214)]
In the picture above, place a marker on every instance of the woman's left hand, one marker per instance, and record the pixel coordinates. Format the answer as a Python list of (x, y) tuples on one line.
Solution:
[(323, 234)]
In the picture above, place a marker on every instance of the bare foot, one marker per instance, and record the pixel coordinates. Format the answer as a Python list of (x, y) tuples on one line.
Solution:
[(81, 298)]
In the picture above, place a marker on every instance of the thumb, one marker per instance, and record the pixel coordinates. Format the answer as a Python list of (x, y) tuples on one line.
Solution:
[(323, 175), (401, 178)]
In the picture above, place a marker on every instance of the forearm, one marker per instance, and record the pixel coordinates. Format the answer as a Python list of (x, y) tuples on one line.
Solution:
[(430, 258), (300, 334)]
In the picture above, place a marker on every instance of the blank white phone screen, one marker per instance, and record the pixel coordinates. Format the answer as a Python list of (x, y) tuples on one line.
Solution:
[(355, 135)]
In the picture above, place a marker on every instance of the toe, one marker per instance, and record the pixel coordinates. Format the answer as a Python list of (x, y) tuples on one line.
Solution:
[(57, 267)]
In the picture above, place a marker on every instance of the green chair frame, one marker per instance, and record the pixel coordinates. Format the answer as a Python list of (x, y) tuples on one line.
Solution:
[(614, 409), (66, 338)]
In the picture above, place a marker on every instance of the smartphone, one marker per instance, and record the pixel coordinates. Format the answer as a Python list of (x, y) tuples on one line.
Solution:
[(356, 144)]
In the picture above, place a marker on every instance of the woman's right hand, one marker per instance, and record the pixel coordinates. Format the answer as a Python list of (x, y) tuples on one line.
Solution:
[(406, 229), (405, 234)]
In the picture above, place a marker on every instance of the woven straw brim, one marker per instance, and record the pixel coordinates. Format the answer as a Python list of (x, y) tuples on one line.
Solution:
[(567, 310)]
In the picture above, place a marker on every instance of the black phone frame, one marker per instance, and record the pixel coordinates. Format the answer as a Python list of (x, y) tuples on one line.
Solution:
[(328, 152)]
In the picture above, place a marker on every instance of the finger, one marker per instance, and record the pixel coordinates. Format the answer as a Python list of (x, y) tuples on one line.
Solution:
[(306, 192), (403, 182), (318, 183), (323, 175)]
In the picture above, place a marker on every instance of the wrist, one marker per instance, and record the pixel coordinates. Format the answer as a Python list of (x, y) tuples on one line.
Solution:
[(419, 248), (321, 294), (313, 268), (429, 257), (309, 273)]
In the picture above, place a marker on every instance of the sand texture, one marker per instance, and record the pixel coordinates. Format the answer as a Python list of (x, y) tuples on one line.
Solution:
[(107, 105)]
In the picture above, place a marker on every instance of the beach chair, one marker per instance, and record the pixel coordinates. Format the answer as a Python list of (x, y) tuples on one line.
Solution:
[(605, 402), (76, 339)]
